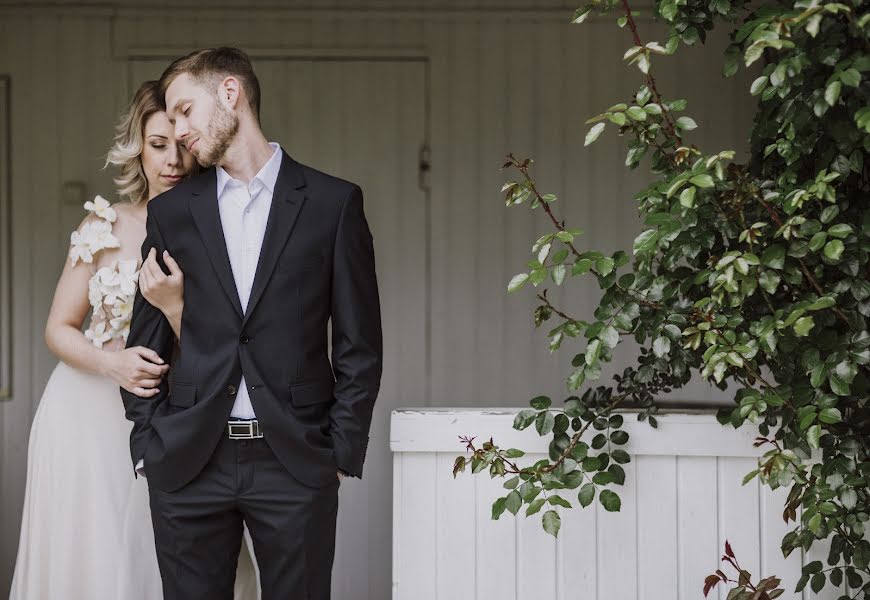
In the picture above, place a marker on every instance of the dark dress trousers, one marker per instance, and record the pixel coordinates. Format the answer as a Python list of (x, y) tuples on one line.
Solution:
[(316, 264)]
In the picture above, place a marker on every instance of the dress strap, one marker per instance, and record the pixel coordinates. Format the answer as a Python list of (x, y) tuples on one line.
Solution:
[(95, 234)]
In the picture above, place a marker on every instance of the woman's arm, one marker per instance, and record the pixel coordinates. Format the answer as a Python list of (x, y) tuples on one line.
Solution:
[(134, 369)]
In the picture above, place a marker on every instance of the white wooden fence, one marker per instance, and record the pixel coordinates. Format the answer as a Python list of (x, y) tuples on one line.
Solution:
[(681, 500)]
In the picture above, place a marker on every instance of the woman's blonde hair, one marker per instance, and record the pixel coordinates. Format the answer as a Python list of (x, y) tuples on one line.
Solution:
[(126, 152)]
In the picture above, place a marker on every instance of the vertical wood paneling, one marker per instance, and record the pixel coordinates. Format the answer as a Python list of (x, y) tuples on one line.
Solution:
[(418, 529), (496, 546), (657, 522), (456, 541), (677, 509), (739, 518), (697, 512), (536, 556)]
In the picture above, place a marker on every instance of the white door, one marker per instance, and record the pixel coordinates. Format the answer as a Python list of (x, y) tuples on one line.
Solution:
[(363, 120)]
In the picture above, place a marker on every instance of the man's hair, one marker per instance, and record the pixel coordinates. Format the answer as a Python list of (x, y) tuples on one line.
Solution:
[(211, 66)]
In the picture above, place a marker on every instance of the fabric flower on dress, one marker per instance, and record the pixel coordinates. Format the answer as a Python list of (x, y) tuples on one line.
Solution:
[(92, 237), (101, 207), (98, 334)]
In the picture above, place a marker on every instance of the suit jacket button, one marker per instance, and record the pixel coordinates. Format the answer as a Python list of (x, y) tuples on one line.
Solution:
[(231, 389), (245, 339)]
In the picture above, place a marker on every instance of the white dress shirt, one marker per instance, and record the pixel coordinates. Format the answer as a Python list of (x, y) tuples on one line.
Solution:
[(244, 210)]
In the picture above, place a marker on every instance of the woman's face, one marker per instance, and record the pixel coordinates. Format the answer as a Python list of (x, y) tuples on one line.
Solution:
[(165, 161)]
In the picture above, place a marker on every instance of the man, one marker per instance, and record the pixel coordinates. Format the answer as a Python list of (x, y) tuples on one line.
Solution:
[(257, 425)]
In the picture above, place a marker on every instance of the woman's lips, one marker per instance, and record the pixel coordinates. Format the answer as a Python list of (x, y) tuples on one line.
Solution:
[(173, 178)]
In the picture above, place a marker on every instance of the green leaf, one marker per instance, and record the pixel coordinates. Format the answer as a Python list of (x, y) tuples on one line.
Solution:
[(687, 197), (637, 113), (702, 181), (540, 403), (832, 92), (813, 435), (774, 257), (803, 326), (552, 522), (557, 500), (661, 347), (686, 123), (610, 337), (544, 423), (646, 241), (834, 249), (535, 506), (518, 281), (594, 133), (513, 502), (829, 416), (498, 508), (610, 501), (586, 495)]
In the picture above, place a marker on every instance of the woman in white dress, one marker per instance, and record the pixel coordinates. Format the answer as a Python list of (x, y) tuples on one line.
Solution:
[(86, 530)]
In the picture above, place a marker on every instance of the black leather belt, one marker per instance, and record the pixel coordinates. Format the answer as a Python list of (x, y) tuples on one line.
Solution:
[(244, 430)]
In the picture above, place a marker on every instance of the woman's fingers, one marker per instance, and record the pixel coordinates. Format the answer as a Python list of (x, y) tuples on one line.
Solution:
[(174, 269), (148, 354), (147, 368), (142, 392)]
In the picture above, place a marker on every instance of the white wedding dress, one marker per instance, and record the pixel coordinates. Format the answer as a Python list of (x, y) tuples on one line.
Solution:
[(86, 528)]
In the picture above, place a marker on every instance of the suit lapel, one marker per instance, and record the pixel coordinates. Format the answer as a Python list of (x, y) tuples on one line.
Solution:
[(287, 200), (206, 215)]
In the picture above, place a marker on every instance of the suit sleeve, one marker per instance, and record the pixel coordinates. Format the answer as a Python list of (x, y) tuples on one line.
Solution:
[(148, 328), (357, 348)]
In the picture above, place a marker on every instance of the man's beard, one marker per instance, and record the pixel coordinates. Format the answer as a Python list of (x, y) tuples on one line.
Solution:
[(222, 129)]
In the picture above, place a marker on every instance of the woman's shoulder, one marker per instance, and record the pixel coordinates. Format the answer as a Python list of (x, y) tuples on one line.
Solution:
[(94, 234)]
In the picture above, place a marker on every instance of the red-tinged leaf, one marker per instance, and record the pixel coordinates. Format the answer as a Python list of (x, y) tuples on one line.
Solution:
[(709, 583), (728, 549)]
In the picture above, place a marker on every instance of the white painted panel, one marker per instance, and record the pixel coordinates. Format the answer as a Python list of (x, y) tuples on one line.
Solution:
[(739, 521), (536, 556), (455, 541), (495, 547), (417, 528), (657, 512), (697, 528)]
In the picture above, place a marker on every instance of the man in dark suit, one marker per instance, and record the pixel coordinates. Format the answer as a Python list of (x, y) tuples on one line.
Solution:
[(257, 425)]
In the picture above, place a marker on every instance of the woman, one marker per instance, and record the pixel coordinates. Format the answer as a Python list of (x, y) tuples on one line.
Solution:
[(83, 509)]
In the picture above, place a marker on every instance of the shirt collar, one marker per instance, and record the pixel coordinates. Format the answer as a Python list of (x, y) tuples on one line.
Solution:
[(267, 176)]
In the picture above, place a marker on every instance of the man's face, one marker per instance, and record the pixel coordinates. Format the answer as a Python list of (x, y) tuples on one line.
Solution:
[(202, 120)]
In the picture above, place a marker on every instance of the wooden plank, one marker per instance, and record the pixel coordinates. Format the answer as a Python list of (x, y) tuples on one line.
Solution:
[(656, 526), (536, 553), (417, 529), (698, 550), (739, 519), (618, 543), (497, 545), (772, 530), (456, 543)]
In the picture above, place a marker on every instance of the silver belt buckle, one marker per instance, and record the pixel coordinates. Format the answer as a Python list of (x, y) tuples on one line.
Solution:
[(244, 430)]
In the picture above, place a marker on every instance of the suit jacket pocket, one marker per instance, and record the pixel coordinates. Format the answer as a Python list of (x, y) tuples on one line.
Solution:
[(182, 395), (311, 392)]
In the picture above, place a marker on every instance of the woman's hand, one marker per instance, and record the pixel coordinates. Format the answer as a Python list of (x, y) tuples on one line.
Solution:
[(138, 370), (165, 292)]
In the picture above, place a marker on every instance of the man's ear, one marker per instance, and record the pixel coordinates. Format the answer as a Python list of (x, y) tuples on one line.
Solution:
[(229, 92)]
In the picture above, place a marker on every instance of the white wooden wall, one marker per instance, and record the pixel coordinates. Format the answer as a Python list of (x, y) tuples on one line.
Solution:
[(498, 77), (681, 500)]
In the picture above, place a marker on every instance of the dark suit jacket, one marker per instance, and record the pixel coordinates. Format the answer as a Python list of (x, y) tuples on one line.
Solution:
[(316, 263)]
